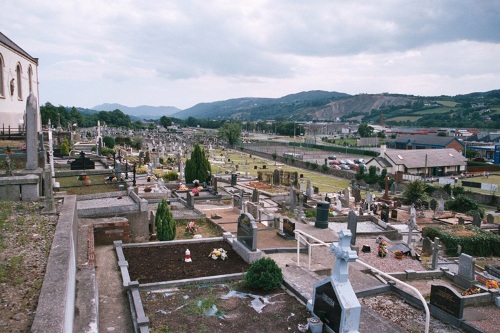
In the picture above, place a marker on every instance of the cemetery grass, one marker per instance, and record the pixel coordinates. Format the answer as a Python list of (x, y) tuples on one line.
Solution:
[(72, 185), (25, 242), (209, 308)]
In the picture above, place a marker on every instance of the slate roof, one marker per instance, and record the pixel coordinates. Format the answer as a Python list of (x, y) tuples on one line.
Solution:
[(13, 46), (381, 161), (427, 140), (416, 158)]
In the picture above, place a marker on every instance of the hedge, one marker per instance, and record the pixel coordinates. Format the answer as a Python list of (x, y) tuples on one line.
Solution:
[(482, 244)]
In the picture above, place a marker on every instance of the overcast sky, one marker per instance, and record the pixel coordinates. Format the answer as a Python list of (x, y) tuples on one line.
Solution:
[(180, 53)]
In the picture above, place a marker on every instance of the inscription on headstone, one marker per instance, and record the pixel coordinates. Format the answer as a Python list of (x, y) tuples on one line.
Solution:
[(447, 300), (288, 229)]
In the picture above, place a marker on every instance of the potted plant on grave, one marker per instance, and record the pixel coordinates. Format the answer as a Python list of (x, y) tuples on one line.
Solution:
[(147, 189), (398, 254), (382, 251), (8, 151), (195, 191)]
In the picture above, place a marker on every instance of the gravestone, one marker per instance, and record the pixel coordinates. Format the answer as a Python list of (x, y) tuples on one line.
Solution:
[(369, 198), (393, 188), (476, 219), (83, 163), (447, 300), (288, 229), (234, 179), (31, 133), (309, 190), (316, 189), (384, 214), (292, 198), (237, 201), (461, 220), (344, 202), (394, 214), (347, 195), (49, 204), (247, 231), (334, 301), (433, 205), (352, 224), (440, 208), (427, 246), (276, 177), (255, 195), (190, 199), (435, 252), (357, 194), (466, 271), (214, 184)]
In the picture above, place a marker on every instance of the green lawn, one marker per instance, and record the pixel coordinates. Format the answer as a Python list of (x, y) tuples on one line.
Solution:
[(447, 103), (404, 118), (246, 164), (74, 186)]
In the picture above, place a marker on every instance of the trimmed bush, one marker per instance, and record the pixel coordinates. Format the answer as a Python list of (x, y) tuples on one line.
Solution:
[(482, 243), (264, 274)]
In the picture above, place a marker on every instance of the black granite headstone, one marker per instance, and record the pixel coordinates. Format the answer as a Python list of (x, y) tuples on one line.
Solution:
[(82, 163), (247, 231), (447, 300), (327, 307)]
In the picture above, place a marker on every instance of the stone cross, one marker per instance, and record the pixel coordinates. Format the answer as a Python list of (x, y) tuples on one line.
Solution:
[(344, 255), (31, 133), (435, 253), (412, 224)]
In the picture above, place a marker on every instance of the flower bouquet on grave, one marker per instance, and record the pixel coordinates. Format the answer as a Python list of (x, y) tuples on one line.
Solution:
[(491, 284), (217, 254), (382, 251), (191, 228), (471, 291), (398, 254), (195, 191)]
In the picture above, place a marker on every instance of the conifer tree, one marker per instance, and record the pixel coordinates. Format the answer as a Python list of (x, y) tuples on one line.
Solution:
[(165, 223), (198, 166)]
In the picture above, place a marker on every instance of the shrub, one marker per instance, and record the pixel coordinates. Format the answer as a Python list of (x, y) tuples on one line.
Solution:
[(170, 176), (462, 204), (481, 243), (264, 274), (165, 223)]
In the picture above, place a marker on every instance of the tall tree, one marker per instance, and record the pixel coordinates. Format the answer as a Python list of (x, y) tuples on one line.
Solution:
[(365, 131), (230, 132), (197, 167), (165, 121)]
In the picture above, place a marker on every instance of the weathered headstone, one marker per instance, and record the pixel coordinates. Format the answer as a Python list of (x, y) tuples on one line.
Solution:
[(31, 133), (292, 198), (334, 300), (49, 205), (427, 246), (447, 300), (384, 214), (435, 252), (247, 231), (309, 190), (461, 220), (237, 201), (393, 188), (440, 208), (190, 199), (476, 219), (466, 271), (357, 194), (369, 198), (255, 195), (276, 177), (352, 224), (347, 195), (433, 205)]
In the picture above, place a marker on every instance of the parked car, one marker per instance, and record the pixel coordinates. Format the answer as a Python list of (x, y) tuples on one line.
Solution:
[(345, 167), (359, 160), (336, 167), (335, 162), (332, 157), (342, 162)]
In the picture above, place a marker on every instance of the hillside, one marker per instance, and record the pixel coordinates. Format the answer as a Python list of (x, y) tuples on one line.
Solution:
[(141, 111), (289, 107)]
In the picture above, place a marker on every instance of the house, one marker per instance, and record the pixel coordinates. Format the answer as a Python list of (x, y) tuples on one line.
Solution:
[(426, 142), (18, 78), (422, 162)]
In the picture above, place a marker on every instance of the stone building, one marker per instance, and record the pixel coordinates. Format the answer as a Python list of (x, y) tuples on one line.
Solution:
[(18, 78)]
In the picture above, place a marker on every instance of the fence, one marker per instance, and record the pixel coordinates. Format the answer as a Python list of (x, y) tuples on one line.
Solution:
[(12, 133)]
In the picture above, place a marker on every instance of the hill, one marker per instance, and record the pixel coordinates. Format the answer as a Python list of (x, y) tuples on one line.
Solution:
[(289, 107), (141, 111)]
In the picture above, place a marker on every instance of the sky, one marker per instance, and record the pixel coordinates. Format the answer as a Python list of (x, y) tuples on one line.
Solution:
[(181, 53)]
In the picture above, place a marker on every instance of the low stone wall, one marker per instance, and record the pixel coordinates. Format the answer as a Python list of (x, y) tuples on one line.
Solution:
[(56, 304), (20, 188)]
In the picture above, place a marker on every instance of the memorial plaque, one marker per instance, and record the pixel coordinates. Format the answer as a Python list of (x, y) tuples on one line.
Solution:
[(289, 228), (447, 300), (247, 231), (394, 214), (327, 306)]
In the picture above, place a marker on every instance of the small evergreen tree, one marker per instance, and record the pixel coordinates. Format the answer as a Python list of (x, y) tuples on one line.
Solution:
[(65, 147), (198, 166), (165, 224), (264, 274)]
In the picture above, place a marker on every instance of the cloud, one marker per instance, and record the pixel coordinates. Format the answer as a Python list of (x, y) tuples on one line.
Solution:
[(218, 49)]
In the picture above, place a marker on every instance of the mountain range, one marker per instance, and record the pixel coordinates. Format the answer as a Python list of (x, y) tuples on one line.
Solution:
[(324, 106)]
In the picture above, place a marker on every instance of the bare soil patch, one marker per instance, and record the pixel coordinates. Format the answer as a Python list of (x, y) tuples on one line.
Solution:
[(223, 308), (167, 262)]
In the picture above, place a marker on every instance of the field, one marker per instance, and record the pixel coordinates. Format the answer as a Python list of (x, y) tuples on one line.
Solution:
[(433, 111), (404, 118), (447, 103)]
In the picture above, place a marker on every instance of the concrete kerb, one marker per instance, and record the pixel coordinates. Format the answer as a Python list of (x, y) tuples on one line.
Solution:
[(56, 305)]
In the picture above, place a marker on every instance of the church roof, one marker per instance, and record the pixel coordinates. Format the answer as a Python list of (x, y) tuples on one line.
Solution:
[(14, 47)]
